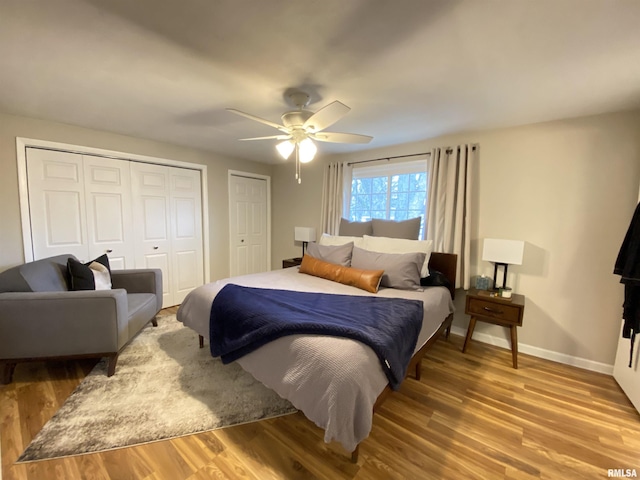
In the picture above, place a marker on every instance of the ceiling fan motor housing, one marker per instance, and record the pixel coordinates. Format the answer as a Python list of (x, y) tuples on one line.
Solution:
[(296, 118), (301, 124)]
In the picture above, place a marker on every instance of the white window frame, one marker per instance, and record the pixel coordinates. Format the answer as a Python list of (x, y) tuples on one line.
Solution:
[(386, 170)]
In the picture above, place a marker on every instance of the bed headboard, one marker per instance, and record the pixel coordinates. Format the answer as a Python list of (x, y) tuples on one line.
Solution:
[(447, 264)]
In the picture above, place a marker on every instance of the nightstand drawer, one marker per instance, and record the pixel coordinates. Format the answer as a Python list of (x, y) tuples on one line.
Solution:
[(501, 311)]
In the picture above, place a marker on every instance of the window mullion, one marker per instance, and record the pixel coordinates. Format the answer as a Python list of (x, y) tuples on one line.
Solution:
[(388, 197)]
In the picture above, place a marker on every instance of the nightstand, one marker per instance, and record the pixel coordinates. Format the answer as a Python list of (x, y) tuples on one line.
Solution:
[(291, 262), (499, 311)]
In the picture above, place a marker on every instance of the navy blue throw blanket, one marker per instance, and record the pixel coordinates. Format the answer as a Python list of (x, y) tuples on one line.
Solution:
[(243, 319)]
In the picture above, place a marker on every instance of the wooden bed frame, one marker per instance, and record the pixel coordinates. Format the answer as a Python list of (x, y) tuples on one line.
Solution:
[(446, 263)]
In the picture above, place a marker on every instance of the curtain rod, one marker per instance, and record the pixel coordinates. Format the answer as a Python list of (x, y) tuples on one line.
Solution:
[(449, 150)]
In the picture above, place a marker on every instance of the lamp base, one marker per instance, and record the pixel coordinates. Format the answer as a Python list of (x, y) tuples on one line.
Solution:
[(495, 275)]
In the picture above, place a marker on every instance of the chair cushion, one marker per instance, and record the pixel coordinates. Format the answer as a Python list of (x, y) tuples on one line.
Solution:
[(45, 275), (142, 308)]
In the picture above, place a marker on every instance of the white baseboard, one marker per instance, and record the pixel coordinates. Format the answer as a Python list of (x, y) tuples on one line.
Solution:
[(538, 352)]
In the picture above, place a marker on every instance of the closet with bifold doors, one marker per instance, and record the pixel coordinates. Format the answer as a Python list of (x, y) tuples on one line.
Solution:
[(142, 215)]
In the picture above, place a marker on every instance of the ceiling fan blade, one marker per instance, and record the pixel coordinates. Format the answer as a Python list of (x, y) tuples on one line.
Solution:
[(282, 128), (326, 116), (335, 137), (271, 137)]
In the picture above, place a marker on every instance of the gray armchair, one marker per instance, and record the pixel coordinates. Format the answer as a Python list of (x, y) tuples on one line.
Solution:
[(40, 318)]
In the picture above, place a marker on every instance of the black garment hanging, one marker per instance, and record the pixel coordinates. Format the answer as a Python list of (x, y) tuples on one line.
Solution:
[(628, 267)]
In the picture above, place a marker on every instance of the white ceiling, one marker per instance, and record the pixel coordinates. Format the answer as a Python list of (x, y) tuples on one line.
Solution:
[(409, 69)]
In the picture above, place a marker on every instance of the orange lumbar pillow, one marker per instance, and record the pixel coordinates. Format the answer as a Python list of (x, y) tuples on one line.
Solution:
[(368, 280)]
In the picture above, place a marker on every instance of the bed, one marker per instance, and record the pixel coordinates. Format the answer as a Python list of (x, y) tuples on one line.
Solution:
[(336, 382)]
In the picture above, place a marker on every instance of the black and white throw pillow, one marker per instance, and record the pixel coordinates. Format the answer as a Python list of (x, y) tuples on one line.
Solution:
[(93, 275)]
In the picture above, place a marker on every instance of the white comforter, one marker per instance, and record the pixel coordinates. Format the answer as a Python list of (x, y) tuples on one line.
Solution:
[(334, 381)]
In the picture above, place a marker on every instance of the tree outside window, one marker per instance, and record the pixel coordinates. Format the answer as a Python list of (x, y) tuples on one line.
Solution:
[(376, 193)]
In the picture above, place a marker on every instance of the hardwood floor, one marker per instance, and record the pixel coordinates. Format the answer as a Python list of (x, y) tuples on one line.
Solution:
[(471, 416)]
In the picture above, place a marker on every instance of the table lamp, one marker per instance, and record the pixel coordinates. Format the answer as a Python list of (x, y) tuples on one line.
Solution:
[(305, 235), (502, 253)]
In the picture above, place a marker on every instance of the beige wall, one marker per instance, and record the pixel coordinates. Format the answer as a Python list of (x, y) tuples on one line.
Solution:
[(11, 251), (294, 205), (567, 188)]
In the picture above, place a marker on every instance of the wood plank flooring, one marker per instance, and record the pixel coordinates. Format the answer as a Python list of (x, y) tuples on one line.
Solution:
[(471, 416)]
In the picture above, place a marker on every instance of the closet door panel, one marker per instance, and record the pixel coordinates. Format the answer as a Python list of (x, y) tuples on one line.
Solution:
[(109, 216), (161, 261), (152, 222), (56, 203), (186, 224)]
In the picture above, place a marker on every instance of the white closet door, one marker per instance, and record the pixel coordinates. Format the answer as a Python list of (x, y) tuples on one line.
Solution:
[(186, 231), (109, 217), (247, 225), (142, 215), (56, 203), (152, 222), (628, 377)]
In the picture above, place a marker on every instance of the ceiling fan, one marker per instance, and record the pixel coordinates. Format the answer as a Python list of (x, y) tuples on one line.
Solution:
[(300, 127)]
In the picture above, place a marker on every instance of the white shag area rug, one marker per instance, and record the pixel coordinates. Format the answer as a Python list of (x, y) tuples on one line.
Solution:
[(164, 387)]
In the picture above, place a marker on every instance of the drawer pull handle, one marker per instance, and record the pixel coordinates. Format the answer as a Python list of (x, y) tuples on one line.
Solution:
[(499, 312)]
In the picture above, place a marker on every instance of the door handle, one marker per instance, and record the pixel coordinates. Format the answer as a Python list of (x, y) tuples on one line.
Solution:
[(109, 250), (155, 247), (242, 241)]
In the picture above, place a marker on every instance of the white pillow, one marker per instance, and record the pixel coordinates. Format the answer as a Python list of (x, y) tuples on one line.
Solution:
[(400, 245), (327, 239), (101, 276)]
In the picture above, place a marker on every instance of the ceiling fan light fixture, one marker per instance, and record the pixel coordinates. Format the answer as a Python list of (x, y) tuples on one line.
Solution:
[(285, 148), (300, 127), (308, 150)]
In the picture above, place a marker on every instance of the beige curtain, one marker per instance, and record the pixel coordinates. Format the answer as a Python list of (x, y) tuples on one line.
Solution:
[(337, 181), (449, 205)]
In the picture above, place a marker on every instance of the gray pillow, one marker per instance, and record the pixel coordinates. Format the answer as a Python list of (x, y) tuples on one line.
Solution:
[(338, 254), (355, 229), (409, 229), (401, 270)]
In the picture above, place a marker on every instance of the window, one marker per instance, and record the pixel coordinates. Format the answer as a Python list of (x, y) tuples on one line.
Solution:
[(392, 192)]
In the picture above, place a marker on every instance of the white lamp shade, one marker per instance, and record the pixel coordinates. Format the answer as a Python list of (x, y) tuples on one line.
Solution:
[(285, 148), (308, 150), (305, 234), (503, 251)]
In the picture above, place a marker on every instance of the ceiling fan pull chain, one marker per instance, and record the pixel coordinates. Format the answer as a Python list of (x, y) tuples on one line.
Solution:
[(298, 176)]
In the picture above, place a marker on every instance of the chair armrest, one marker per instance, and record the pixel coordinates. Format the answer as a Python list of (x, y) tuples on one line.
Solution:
[(49, 324), (140, 280)]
